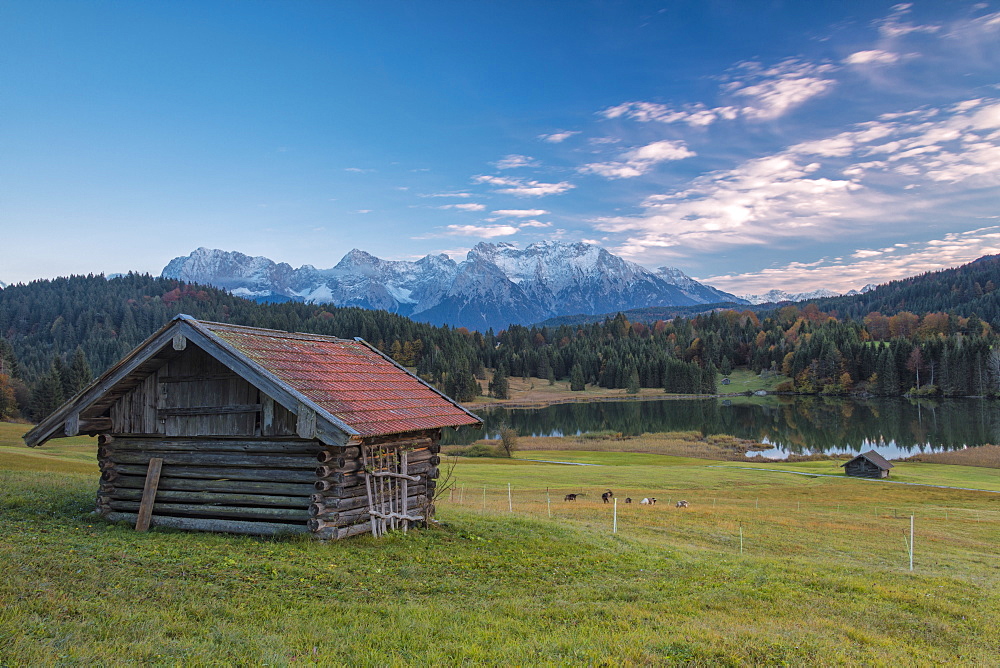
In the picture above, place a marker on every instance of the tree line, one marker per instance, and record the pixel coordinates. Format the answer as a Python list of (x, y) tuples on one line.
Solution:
[(55, 335)]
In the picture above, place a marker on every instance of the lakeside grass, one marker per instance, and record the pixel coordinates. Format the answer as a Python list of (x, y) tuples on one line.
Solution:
[(538, 392), (822, 579)]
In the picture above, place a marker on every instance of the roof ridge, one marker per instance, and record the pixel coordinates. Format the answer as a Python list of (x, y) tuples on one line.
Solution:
[(212, 325)]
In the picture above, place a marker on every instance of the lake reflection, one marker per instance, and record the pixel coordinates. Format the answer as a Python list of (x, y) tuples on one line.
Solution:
[(801, 425)]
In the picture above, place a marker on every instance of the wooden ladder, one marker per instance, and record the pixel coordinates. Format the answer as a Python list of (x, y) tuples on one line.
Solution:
[(386, 482)]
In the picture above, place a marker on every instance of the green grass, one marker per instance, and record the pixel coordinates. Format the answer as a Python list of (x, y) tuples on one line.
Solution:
[(816, 584), (742, 380)]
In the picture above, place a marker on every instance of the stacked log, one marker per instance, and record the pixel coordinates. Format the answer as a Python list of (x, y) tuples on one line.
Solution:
[(263, 487), (234, 485), (339, 507)]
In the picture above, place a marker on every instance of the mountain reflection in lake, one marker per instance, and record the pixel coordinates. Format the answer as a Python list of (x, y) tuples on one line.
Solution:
[(800, 425)]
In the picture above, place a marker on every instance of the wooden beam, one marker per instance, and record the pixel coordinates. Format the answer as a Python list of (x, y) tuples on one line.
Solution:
[(266, 414), (219, 525), (149, 494), (305, 422), (73, 424), (208, 410)]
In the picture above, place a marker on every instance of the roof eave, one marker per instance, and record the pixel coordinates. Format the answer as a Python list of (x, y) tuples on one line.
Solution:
[(49, 427)]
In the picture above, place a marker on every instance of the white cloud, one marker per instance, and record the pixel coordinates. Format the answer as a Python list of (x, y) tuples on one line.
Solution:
[(754, 204), (523, 187), (639, 161), (869, 266), (469, 206), (696, 115), (454, 194), (483, 231), (514, 161), (755, 92), (520, 213), (893, 26), (358, 170), (774, 91), (874, 56), (534, 223), (558, 137)]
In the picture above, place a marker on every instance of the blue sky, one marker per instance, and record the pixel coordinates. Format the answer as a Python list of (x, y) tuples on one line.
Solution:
[(755, 145)]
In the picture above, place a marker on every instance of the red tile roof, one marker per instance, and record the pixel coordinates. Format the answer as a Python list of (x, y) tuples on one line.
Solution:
[(349, 379)]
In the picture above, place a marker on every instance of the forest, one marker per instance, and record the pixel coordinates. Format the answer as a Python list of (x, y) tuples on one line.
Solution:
[(933, 334)]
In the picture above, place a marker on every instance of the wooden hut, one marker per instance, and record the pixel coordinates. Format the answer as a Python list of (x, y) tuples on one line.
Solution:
[(868, 465), (216, 427)]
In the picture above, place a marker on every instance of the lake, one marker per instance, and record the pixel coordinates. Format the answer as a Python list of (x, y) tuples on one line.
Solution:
[(895, 427)]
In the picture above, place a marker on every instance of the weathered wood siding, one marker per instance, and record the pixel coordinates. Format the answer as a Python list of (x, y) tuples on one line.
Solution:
[(195, 395), (862, 468)]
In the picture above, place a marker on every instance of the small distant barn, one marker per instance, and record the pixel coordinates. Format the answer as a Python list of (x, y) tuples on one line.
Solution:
[(868, 465), (217, 427), (726, 381)]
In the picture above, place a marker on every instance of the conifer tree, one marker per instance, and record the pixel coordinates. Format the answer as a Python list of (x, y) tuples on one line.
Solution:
[(500, 385)]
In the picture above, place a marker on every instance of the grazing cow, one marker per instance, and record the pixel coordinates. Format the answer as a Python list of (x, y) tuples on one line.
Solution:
[(682, 504), (652, 500), (645, 502), (570, 497), (606, 497), (628, 499)]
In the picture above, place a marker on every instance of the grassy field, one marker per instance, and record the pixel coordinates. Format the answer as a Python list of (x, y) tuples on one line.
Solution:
[(822, 578)]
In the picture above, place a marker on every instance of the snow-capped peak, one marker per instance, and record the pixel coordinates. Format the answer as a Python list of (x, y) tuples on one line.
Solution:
[(496, 285), (777, 296)]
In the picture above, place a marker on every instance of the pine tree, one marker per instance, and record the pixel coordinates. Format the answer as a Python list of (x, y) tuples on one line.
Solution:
[(577, 383), (47, 395), (80, 374), (499, 385), (8, 403), (633, 381)]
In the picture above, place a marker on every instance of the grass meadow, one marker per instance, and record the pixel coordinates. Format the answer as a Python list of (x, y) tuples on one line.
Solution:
[(525, 578)]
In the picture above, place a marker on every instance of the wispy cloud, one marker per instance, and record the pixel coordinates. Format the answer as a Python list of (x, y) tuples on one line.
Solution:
[(849, 183), (693, 114), (481, 231), (358, 170), (520, 213), (868, 266), (771, 92), (534, 223), (558, 137), (523, 187), (873, 56), (895, 24), (468, 206), (639, 161), (751, 90), (514, 161), (452, 194)]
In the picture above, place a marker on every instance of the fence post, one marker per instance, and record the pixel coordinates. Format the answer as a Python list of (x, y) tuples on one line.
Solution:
[(614, 526), (911, 542)]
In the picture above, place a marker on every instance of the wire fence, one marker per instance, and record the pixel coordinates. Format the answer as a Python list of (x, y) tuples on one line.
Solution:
[(859, 532)]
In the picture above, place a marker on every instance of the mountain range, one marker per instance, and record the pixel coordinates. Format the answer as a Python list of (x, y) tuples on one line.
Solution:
[(778, 296), (496, 285)]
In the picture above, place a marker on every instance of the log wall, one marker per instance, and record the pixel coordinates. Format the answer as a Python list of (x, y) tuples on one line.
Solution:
[(259, 486)]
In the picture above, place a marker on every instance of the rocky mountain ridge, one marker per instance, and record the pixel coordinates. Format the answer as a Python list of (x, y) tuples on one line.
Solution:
[(778, 296), (496, 285)]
